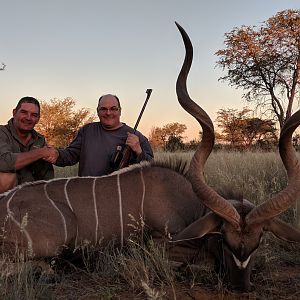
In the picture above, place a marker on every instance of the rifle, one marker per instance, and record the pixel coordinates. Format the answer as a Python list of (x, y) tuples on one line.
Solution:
[(122, 157)]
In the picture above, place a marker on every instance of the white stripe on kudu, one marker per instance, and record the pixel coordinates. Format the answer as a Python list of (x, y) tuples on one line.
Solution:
[(61, 214), (21, 225), (96, 211), (66, 194), (144, 192), (71, 207), (120, 209)]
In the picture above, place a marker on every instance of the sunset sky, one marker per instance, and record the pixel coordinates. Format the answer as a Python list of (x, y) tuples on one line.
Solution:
[(85, 48)]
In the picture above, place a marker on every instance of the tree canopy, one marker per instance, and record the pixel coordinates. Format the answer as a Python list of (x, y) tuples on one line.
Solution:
[(169, 137), (240, 129), (59, 121), (264, 61)]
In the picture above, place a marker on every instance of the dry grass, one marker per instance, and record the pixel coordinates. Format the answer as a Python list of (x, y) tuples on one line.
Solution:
[(255, 175), (142, 271)]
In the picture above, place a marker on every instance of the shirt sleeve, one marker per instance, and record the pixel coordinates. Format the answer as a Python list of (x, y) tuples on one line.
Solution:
[(7, 157), (147, 153), (70, 155), (42, 170)]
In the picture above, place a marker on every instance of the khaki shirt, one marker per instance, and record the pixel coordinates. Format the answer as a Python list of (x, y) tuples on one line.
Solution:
[(10, 146)]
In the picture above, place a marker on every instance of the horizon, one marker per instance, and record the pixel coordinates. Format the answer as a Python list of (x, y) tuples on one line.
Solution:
[(84, 49)]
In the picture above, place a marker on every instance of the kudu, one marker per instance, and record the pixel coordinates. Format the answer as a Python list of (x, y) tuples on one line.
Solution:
[(240, 223), (42, 218)]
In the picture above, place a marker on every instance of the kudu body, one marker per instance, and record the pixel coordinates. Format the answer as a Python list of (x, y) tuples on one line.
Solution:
[(42, 218)]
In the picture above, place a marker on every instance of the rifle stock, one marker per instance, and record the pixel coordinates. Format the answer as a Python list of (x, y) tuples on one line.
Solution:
[(125, 157)]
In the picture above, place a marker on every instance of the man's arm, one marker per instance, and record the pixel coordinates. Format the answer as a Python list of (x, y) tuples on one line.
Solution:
[(11, 161), (133, 142), (140, 146), (24, 159), (70, 155), (147, 153)]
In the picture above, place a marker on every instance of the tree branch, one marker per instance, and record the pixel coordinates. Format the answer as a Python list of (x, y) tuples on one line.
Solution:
[(2, 67)]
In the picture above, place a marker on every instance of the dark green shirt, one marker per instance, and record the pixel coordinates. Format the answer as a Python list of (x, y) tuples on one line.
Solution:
[(11, 145)]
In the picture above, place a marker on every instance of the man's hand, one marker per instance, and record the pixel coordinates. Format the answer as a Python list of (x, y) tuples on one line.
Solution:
[(50, 154), (133, 142)]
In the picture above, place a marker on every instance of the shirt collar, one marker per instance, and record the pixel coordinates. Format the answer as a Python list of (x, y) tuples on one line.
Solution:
[(12, 129)]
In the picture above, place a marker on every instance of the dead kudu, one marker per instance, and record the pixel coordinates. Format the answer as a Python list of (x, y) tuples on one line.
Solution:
[(42, 218)]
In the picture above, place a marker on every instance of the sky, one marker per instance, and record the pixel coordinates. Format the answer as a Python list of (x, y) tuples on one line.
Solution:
[(86, 48)]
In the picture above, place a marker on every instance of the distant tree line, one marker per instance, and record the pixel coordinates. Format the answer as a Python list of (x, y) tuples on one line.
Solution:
[(169, 137), (235, 129), (240, 130)]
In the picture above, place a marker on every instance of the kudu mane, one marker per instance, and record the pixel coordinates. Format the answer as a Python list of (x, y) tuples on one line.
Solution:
[(176, 164)]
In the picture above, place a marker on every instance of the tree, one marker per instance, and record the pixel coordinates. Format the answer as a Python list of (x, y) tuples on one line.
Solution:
[(265, 62), (2, 67), (193, 144), (174, 143), (258, 131), (296, 140), (159, 137), (230, 120), (239, 129), (59, 121)]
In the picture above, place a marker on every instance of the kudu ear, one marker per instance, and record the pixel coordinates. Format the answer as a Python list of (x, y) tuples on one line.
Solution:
[(199, 228), (282, 230)]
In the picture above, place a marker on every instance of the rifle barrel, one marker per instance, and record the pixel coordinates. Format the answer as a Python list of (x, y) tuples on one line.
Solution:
[(148, 92)]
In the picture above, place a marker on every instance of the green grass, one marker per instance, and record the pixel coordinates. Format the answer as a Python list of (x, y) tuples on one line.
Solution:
[(60, 172)]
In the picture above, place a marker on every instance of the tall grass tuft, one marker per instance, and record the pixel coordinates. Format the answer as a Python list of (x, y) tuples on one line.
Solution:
[(145, 267), (21, 280)]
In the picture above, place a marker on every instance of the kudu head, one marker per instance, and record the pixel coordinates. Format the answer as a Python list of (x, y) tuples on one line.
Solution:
[(239, 224)]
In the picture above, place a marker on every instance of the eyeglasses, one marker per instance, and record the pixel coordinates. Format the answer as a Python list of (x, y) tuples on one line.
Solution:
[(113, 109)]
